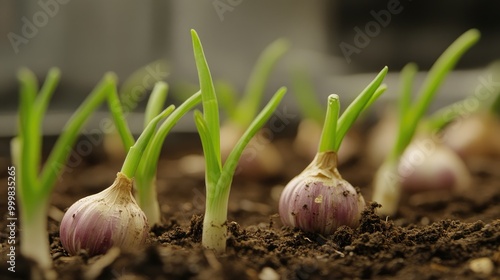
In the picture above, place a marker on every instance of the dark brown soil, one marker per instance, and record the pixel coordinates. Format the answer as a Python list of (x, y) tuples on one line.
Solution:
[(434, 235)]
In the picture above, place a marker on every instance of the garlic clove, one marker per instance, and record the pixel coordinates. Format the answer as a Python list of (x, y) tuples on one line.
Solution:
[(319, 200), (103, 220)]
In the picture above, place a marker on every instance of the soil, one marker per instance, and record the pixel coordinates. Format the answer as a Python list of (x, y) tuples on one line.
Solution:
[(433, 236)]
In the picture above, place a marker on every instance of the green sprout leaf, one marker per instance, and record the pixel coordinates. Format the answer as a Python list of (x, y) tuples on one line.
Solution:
[(34, 189), (218, 178), (136, 151), (146, 171), (248, 106), (211, 161), (66, 140), (117, 113), (329, 133), (156, 101), (304, 92), (436, 75), (29, 131), (387, 187), (359, 104), (210, 106)]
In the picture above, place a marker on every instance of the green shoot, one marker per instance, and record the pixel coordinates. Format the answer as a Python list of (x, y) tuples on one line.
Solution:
[(135, 152), (408, 74), (308, 105), (304, 92), (61, 150), (386, 183), (218, 177), (435, 77), (132, 91), (34, 189), (335, 128), (329, 133), (209, 99), (155, 102), (486, 98), (352, 112), (146, 175), (248, 106), (145, 159), (117, 113)]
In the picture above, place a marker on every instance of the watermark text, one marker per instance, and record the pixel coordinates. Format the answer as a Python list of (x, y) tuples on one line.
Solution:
[(11, 218)]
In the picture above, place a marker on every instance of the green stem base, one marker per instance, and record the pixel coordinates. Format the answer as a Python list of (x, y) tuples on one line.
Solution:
[(215, 224)]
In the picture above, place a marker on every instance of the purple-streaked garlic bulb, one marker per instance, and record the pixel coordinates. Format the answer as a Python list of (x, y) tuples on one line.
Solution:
[(429, 165), (319, 200), (103, 220)]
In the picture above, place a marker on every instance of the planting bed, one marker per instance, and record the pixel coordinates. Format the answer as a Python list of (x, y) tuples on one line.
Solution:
[(433, 236)]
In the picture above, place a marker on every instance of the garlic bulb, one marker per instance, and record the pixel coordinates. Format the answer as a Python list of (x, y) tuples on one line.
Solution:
[(429, 165), (319, 200), (475, 136), (103, 220)]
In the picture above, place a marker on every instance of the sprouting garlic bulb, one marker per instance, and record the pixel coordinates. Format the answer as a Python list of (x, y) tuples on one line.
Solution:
[(319, 200), (103, 220)]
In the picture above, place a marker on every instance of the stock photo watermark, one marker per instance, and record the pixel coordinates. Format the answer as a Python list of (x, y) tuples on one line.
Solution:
[(364, 35), (223, 6), (11, 218), (31, 26), (486, 89)]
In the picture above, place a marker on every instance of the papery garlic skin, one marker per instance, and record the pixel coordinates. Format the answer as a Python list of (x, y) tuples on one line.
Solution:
[(319, 200), (103, 220)]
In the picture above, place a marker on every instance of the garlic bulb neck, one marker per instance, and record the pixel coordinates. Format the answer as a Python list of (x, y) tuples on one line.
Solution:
[(324, 165)]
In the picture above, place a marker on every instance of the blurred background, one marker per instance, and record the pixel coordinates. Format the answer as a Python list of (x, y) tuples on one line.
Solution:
[(341, 44)]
